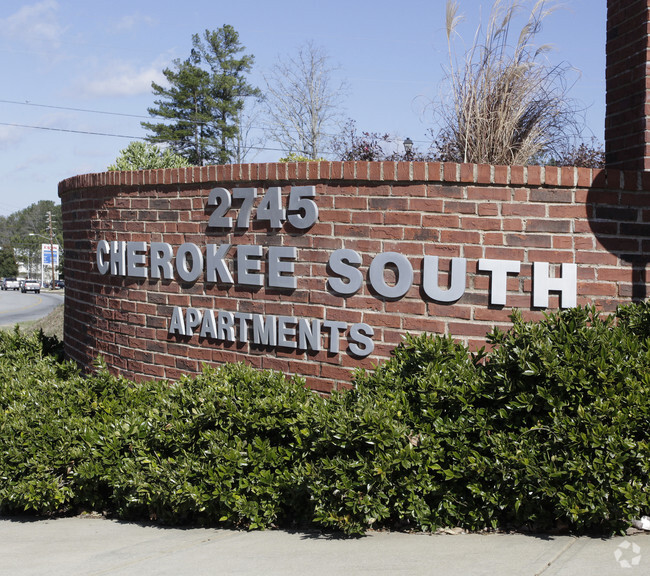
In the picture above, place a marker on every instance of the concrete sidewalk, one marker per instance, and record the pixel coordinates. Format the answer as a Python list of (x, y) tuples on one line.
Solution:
[(94, 546)]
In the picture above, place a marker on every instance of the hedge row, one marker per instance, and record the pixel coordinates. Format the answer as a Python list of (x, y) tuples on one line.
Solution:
[(549, 428)]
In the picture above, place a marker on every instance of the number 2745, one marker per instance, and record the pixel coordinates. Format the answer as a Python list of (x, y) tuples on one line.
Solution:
[(301, 211)]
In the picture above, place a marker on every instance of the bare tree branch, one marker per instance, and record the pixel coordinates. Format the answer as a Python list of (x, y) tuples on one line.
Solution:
[(303, 102), (245, 142)]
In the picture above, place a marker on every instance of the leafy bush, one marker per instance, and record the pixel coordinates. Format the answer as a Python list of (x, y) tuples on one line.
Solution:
[(145, 156), (294, 157), (548, 429)]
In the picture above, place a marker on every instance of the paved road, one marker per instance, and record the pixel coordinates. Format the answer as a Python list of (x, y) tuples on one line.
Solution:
[(16, 307), (94, 546)]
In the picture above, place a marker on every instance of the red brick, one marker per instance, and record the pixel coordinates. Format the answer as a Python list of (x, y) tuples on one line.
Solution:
[(517, 175), (419, 171), (389, 170), (459, 237), (503, 253), (374, 171), (563, 211), (563, 242), (483, 193), (484, 174), (451, 171), (585, 178), (435, 171), (409, 190), (568, 176), (440, 220), (547, 225), (551, 196), (501, 174), (426, 204), (403, 218), (475, 252), (467, 172), (488, 209), (552, 176), (404, 171), (534, 175), (130, 318), (481, 223), (460, 207)]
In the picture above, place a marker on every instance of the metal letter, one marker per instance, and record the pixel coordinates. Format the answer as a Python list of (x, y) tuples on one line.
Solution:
[(309, 338), (249, 261), (208, 326), (499, 270), (193, 318), (300, 200), (285, 331), (265, 331), (567, 285), (176, 325), (281, 260), (226, 326), (341, 263), (458, 273), (361, 343), (248, 196), (103, 249), (333, 326), (404, 274), (243, 318), (136, 259), (215, 265), (184, 271), (118, 258), (161, 261)]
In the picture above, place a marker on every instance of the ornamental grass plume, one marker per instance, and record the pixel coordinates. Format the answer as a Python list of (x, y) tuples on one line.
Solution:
[(507, 103)]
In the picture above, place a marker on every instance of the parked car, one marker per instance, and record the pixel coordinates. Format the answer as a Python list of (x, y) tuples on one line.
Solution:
[(10, 284), (30, 285), (59, 284)]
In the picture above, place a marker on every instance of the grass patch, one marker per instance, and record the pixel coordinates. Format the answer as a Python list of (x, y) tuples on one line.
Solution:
[(51, 325)]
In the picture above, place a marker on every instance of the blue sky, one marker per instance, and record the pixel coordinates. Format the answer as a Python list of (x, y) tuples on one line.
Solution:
[(74, 65)]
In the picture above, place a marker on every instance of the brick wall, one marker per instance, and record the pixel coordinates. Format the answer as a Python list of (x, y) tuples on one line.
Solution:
[(597, 220), (627, 134)]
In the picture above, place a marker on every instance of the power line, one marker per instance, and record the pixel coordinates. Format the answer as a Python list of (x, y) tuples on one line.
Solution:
[(89, 133), (113, 135), (28, 103), (70, 131), (126, 115)]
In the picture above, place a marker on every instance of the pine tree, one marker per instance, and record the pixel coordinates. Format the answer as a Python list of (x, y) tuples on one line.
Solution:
[(205, 98), (8, 265)]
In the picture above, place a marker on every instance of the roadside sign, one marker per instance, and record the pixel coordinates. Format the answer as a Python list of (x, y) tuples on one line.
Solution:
[(46, 254)]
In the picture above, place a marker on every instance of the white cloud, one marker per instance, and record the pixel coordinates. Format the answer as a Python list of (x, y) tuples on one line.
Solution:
[(29, 164), (9, 137), (124, 79), (93, 152), (133, 21), (34, 24)]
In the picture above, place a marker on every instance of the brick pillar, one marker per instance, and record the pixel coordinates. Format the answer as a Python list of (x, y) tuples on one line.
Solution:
[(627, 130)]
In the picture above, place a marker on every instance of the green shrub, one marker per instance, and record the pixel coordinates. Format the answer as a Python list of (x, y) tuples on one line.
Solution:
[(295, 157), (217, 448), (572, 408), (35, 421), (547, 429)]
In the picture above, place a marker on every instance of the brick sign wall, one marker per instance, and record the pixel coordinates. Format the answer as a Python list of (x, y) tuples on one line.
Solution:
[(317, 268)]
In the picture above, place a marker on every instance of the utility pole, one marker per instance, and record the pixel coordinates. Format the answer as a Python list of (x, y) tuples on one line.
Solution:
[(49, 216)]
